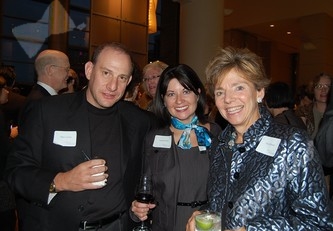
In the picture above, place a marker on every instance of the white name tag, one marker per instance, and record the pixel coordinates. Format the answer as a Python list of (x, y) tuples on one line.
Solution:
[(202, 148), (65, 138), (162, 141), (268, 145)]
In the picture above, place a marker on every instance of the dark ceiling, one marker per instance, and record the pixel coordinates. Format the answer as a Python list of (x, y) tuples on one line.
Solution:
[(256, 16)]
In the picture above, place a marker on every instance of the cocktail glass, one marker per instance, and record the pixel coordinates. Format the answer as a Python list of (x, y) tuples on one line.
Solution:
[(208, 221)]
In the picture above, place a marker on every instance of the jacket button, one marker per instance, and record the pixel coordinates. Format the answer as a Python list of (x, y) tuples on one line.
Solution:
[(230, 205), (155, 151), (81, 208), (241, 149), (236, 175)]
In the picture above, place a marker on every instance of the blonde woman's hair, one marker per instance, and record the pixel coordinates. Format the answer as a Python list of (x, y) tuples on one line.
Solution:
[(243, 61), (155, 64)]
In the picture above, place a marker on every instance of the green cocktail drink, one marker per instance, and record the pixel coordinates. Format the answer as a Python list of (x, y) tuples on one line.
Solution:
[(208, 221)]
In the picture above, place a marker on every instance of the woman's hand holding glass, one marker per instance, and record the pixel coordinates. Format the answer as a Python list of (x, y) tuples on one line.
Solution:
[(240, 229), (144, 201), (207, 220), (141, 210), (190, 226)]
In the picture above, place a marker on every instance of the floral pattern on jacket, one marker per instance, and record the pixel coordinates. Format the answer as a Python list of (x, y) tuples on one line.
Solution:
[(282, 190)]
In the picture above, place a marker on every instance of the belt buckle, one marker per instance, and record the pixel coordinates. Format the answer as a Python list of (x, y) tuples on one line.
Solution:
[(194, 204), (86, 226)]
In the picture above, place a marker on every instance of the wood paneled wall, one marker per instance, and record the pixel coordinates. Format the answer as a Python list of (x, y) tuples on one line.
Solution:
[(124, 21)]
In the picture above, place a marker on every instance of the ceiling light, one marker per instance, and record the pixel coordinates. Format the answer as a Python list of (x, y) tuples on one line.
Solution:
[(152, 23), (228, 12)]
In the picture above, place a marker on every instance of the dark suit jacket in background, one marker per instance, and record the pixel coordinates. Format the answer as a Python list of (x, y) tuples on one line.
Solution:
[(37, 92), (36, 160), (13, 107)]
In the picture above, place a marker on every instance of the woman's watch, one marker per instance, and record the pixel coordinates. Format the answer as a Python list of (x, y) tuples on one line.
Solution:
[(52, 188)]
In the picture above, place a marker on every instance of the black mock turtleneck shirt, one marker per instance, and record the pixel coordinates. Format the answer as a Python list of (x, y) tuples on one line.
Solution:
[(105, 132)]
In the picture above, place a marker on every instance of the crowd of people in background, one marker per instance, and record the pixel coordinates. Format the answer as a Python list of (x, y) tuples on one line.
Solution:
[(203, 139)]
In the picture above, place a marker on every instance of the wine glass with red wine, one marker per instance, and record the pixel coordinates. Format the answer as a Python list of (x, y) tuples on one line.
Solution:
[(144, 194)]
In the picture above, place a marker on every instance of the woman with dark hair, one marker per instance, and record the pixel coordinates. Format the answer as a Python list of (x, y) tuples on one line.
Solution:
[(280, 103), (303, 95), (176, 153)]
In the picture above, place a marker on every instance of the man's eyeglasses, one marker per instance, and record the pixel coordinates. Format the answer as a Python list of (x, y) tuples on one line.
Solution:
[(151, 78), (65, 68), (322, 86)]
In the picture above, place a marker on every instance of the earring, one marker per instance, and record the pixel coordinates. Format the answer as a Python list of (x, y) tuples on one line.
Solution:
[(259, 100)]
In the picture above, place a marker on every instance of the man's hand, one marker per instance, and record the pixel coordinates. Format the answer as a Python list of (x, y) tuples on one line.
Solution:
[(14, 132), (86, 175)]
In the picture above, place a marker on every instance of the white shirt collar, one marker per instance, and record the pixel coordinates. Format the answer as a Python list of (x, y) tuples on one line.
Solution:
[(48, 88)]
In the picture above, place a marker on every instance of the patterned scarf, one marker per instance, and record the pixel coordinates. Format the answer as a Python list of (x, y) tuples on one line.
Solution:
[(201, 133)]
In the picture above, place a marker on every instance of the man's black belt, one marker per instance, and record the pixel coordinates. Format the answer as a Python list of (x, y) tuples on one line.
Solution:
[(193, 204), (85, 225)]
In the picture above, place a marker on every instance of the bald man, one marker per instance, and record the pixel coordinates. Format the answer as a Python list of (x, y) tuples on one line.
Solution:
[(52, 67)]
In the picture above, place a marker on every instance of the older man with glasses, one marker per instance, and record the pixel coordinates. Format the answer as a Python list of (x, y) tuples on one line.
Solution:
[(52, 67)]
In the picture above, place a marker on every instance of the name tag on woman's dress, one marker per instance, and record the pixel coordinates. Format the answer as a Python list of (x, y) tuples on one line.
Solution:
[(162, 141), (268, 145)]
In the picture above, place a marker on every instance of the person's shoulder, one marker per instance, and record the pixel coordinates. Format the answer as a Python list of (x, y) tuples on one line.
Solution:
[(329, 113), (215, 129), (62, 98), (53, 106), (158, 131), (16, 96), (161, 131), (129, 107), (58, 103), (132, 112), (36, 93), (304, 110), (289, 117), (124, 104), (288, 132)]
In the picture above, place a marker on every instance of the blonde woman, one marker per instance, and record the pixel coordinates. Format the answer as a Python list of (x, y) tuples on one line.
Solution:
[(151, 75)]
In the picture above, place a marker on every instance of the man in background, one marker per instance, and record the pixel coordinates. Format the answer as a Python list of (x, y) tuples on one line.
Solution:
[(52, 67), (16, 101)]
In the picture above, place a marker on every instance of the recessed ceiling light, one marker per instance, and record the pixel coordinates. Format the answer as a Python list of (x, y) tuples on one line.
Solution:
[(272, 25), (228, 12), (288, 32)]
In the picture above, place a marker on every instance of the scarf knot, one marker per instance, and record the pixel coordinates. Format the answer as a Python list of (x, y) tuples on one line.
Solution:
[(201, 133)]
